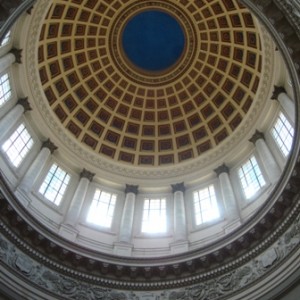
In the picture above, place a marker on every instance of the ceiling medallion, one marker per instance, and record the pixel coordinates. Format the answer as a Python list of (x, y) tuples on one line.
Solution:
[(143, 66)]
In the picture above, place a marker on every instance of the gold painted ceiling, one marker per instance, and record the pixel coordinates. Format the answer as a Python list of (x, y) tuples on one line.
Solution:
[(149, 119)]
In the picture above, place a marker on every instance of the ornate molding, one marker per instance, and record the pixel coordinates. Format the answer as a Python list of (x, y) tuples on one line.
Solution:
[(191, 42), (46, 273), (195, 265), (292, 10)]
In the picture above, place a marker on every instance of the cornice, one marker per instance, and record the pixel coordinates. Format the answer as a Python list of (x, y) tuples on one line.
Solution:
[(35, 256), (228, 254), (18, 9)]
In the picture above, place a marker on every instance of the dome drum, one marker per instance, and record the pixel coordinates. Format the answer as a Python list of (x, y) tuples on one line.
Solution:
[(171, 179)]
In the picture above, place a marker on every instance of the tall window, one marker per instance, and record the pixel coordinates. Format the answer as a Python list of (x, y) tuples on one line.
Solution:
[(154, 216), (5, 89), (55, 184), (102, 208), (18, 145), (5, 40), (283, 133), (251, 177), (205, 205)]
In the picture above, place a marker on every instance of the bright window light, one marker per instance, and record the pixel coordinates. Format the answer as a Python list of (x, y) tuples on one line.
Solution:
[(5, 89), (154, 216), (205, 205), (283, 133), (251, 177), (18, 145), (5, 40), (55, 184), (102, 209)]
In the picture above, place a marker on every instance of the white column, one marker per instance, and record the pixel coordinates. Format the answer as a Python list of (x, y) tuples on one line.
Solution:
[(6, 61), (74, 211), (36, 167), (288, 105), (228, 196), (12, 117), (270, 165), (180, 228), (126, 225), (285, 101)]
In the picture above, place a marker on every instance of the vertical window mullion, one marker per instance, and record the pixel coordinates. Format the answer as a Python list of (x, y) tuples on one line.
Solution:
[(5, 89), (15, 147), (205, 205), (283, 132), (252, 180), (154, 216), (102, 204), (51, 188)]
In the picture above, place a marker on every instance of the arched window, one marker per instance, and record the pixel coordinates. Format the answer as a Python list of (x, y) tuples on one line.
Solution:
[(55, 184), (205, 205), (154, 216), (102, 208), (251, 177), (283, 133), (18, 145)]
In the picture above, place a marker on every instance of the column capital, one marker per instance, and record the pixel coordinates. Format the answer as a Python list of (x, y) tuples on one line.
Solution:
[(87, 174), (178, 187), (277, 91), (24, 102), (131, 189), (221, 169), (257, 136), (18, 54), (48, 144)]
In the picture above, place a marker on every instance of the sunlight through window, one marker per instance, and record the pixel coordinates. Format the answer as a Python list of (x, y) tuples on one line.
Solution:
[(205, 205), (102, 208), (283, 133), (154, 216), (55, 184), (18, 145), (5, 89), (251, 177)]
